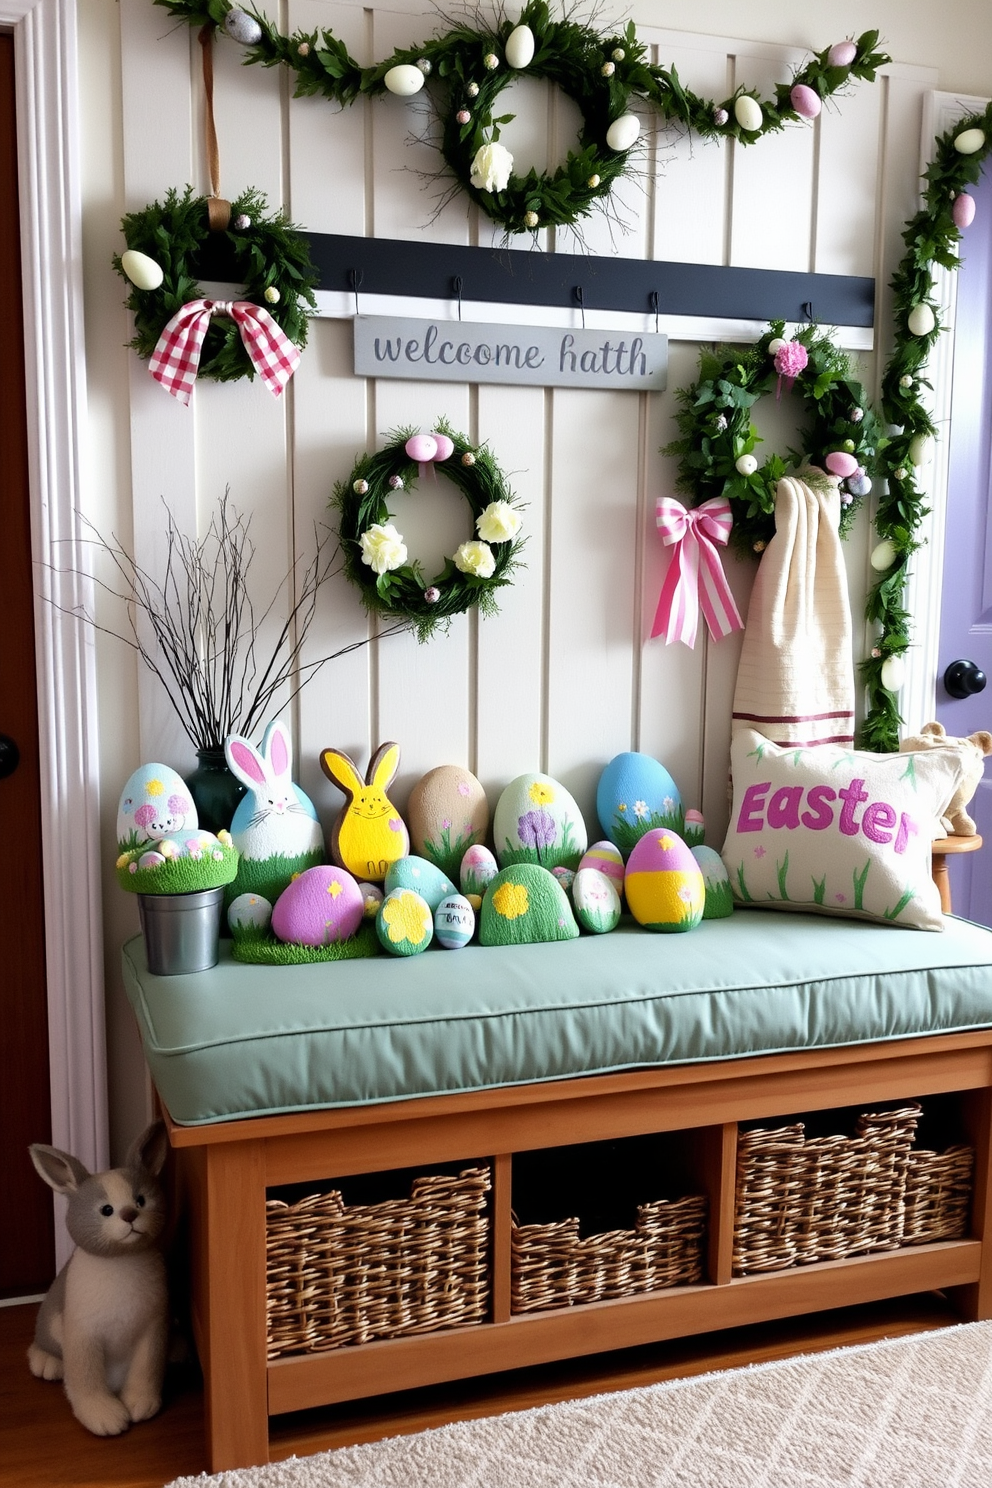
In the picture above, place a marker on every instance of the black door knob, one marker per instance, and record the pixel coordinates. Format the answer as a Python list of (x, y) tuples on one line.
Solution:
[(10, 756), (963, 678)]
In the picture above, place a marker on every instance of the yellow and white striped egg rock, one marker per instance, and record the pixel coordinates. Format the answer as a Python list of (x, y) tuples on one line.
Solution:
[(663, 883)]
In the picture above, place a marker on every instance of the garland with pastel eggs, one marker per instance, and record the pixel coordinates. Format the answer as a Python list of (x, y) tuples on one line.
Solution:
[(469, 67), (375, 554)]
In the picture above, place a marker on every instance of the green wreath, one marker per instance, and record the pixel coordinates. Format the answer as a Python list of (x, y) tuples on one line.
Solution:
[(271, 260), (375, 555), (715, 452)]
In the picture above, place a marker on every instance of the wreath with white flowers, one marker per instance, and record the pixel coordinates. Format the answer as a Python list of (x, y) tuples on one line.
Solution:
[(375, 555), (718, 437)]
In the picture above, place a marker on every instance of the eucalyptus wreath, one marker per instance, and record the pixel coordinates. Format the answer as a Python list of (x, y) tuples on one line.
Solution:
[(466, 70), (271, 259), (376, 558), (718, 437)]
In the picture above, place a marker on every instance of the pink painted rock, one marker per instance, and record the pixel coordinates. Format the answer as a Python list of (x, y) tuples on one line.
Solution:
[(805, 101), (842, 54), (963, 210), (838, 462), (323, 905)]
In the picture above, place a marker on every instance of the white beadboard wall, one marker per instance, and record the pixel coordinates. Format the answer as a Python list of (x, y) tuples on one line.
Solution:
[(566, 676)]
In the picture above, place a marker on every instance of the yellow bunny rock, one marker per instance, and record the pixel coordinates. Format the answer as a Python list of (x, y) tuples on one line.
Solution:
[(369, 833)]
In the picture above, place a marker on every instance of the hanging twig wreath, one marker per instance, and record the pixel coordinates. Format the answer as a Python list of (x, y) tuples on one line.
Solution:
[(271, 260), (375, 555), (467, 69), (716, 451)]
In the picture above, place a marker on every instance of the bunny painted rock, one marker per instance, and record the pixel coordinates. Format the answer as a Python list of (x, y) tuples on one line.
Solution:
[(275, 827), (154, 803), (103, 1326), (972, 752), (369, 833)]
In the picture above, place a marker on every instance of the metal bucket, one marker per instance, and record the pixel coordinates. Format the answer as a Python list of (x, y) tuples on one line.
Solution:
[(181, 931)]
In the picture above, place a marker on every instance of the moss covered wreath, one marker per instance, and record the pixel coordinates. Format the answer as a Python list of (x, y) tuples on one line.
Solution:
[(375, 556)]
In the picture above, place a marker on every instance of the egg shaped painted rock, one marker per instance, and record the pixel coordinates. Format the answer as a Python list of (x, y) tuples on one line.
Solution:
[(423, 877), (404, 80), (716, 881), (143, 272), (596, 901), (477, 871), (323, 905), (405, 923), (537, 821), (249, 912), (565, 876), (151, 859), (747, 112), (454, 922), (664, 884), (190, 844), (448, 813), (607, 859), (695, 828), (525, 904), (635, 794), (372, 897), (155, 803)]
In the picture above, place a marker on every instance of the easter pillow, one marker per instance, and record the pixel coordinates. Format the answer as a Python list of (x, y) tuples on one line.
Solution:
[(837, 830)]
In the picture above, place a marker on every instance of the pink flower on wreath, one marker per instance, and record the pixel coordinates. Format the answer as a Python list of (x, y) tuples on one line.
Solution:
[(791, 359)]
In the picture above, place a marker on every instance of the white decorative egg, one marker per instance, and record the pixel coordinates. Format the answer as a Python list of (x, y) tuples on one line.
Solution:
[(242, 27), (151, 860), (596, 901), (249, 911), (519, 50), (745, 465), (893, 673), (969, 141), (921, 449), (404, 80), (623, 132), (883, 555), (454, 922), (143, 272), (747, 112), (921, 320), (775, 345), (478, 869)]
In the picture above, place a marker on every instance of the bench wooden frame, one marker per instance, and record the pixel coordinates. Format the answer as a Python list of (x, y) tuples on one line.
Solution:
[(225, 1169)]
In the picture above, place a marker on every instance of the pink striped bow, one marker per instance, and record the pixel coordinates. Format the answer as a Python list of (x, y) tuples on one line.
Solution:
[(695, 578), (176, 358)]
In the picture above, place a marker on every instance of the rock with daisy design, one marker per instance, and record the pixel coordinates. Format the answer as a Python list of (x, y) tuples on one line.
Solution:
[(635, 795), (447, 814), (537, 821), (525, 904), (321, 906), (422, 877)]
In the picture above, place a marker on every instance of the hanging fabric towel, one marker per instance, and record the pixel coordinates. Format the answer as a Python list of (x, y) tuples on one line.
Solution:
[(795, 681)]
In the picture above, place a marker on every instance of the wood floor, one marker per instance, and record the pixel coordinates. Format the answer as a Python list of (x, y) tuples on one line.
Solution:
[(42, 1445)]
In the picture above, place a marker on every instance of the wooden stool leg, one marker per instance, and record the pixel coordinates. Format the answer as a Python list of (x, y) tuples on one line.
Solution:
[(941, 877)]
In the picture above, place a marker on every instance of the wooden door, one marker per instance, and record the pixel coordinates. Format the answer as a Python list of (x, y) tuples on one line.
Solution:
[(26, 1230)]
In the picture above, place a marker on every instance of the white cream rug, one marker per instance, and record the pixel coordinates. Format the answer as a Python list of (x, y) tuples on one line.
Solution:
[(909, 1413)]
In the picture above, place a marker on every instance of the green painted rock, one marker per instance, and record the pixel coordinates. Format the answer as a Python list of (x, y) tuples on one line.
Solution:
[(716, 880), (421, 876), (523, 904), (405, 923), (597, 903), (537, 821)]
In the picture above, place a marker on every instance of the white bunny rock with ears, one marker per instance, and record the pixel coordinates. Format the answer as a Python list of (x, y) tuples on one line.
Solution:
[(275, 826)]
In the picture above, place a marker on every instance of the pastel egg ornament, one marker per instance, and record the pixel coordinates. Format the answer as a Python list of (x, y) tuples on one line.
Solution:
[(143, 272), (921, 320), (607, 858), (636, 793), (250, 912), (969, 141), (596, 901), (842, 54), (372, 897), (478, 869), (963, 210), (663, 884), (840, 463), (242, 27), (805, 101), (695, 828), (405, 923), (893, 673), (519, 49), (454, 922), (716, 881), (404, 80), (623, 133), (747, 112), (322, 905), (745, 465), (883, 555), (920, 449)]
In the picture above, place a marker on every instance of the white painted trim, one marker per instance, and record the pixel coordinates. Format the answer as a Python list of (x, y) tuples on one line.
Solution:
[(48, 132)]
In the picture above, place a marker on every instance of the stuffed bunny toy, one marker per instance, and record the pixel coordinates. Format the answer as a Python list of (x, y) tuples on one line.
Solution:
[(972, 752), (275, 818), (369, 833), (103, 1325)]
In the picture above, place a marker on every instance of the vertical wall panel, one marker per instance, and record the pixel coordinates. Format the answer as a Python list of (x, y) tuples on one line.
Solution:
[(327, 143), (773, 179), (847, 182), (691, 171)]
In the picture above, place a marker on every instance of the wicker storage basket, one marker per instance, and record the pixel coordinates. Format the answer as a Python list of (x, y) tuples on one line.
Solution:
[(347, 1273), (800, 1201), (552, 1267)]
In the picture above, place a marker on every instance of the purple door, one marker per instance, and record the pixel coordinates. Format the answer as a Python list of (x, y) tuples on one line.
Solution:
[(966, 608)]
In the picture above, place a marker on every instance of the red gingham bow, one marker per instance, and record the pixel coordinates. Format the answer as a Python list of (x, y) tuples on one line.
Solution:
[(695, 577), (175, 360)]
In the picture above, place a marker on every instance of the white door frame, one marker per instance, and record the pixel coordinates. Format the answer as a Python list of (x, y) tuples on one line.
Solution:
[(50, 208)]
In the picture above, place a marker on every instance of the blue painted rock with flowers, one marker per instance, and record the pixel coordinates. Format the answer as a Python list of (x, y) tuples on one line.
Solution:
[(405, 923), (423, 877), (537, 821), (663, 883), (155, 803), (636, 794), (716, 879), (322, 905)]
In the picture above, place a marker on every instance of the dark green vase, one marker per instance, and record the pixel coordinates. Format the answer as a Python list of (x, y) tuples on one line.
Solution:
[(215, 791)]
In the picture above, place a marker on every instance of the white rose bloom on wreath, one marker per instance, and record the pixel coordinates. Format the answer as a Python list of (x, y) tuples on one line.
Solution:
[(475, 558), (491, 168), (383, 548), (498, 523)]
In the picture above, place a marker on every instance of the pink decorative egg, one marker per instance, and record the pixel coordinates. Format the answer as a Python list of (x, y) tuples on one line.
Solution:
[(445, 447), (323, 905), (840, 463), (606, 858), (963, 210), (663, 883), (805, 101), (842, 54), (421, 447)]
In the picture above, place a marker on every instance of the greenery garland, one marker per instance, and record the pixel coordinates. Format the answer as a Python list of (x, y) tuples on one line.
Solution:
[(271, 260), (370, 543), (466, 70), (715, 451)]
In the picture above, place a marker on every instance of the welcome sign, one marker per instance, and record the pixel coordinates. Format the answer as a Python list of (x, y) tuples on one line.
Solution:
[(538, 356)]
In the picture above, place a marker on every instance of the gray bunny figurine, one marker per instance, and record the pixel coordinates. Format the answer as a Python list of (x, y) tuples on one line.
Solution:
[(103, 1325)]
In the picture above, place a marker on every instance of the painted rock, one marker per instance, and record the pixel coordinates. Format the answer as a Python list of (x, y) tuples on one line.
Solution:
[(454, 922), (695, 828), (635, 794), (417, 874), (716, 881), (477, 871), (190, 844), (155, 803), (321, 906), (405, 923), (663, 883), (151, 860), (597, 903), (249, 912), (372, 897), (565, 876), (607, 859), (537, 821), (525, 904), (447, 814)]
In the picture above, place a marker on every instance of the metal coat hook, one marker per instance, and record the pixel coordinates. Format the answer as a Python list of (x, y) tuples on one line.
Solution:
[(808, 310), (580, 297), (653, 301), (457, 285), (356, 276)]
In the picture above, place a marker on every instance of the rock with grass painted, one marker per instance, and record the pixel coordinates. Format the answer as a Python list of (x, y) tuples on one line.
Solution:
[(154, 803), (695, 829), (405, 923), (607, 859), (372, 897), (716, 881), (478, 869), (525, 904), (423, 877), (454, 922), (597, 903), (537, 821), (636, 794), (447, 813), (185, 863), (663, 883), (320, 907), (275, 826), (250, 912)]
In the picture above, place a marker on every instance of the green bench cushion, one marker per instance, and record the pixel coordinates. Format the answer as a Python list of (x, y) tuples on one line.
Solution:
[(241, 1041)]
